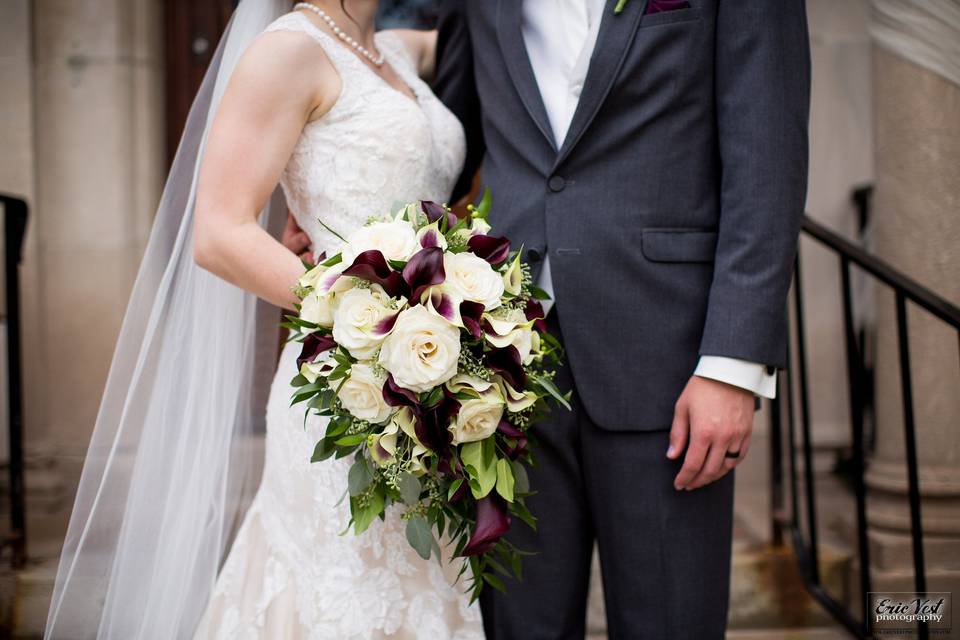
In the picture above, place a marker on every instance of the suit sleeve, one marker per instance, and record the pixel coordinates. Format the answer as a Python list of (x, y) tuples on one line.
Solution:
[(762, 84), (456, 86)]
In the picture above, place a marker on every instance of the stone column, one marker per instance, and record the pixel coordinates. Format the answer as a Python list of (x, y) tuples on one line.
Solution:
[(98, 109), (917, 221)]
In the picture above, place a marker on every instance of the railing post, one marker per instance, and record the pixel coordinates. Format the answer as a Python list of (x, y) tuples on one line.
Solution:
[(808, 480), (776, 472), (856, 418), (15, 224), (913, 481)]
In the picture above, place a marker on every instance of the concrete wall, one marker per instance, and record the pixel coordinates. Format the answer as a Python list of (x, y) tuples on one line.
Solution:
[(83, 140)]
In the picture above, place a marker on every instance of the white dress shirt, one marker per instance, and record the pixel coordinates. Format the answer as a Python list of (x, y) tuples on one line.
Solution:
[(560, 36)]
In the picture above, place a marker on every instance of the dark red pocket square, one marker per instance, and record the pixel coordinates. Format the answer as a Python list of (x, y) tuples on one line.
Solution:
[(659, 6)]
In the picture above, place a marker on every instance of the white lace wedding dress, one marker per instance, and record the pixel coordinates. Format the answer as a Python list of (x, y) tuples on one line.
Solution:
[(290, 573)]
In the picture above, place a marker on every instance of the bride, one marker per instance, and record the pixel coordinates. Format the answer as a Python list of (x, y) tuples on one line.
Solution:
[(310, 98)]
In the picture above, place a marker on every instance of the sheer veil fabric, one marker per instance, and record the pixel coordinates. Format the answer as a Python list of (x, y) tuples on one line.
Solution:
[(170, 463)]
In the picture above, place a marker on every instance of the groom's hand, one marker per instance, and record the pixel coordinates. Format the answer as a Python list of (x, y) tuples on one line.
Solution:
[(296, 239), (710, 419)]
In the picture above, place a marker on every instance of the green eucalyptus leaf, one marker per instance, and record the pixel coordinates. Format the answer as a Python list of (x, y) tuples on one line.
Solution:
[(359, 477), (419, 536), (409, 488), (364, 515)]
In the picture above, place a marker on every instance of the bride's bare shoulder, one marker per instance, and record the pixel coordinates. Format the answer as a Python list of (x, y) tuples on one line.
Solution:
[(290, 66)]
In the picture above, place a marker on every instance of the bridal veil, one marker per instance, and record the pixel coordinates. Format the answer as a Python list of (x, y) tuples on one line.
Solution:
[(172, 460)]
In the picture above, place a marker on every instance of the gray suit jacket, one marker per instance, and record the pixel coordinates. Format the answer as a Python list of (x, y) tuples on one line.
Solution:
[(672, 209)]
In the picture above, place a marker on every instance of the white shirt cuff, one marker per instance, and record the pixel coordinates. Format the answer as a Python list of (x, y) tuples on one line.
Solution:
[(740, 373)]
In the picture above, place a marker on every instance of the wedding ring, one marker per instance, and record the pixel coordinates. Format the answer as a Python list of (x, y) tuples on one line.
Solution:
[(732, 454)]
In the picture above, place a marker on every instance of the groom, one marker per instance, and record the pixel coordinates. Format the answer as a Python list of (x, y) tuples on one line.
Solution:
[(651, 158)]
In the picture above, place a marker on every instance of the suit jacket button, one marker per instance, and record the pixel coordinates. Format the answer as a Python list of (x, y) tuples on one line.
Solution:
[(770, 370), (534, 255), (556, 184)]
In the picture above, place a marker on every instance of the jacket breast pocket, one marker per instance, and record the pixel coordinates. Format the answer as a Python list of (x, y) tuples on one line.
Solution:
[(678, 245), (690, 14)]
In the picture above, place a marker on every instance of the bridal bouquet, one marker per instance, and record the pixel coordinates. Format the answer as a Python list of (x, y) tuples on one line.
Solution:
[(425, 347)]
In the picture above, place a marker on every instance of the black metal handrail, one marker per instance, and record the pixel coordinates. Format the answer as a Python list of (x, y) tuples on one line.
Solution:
[(806, 545), (15, 226)]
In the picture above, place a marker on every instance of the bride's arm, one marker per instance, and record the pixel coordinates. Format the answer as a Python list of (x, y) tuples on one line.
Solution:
[(422, 45), (280, 84)]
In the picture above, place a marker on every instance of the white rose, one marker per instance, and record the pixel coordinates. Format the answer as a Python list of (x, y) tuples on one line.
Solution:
[(316, 308), (471, 278), (477, 419), (422, 350), (396, 240), (356, 317), (362, 395)]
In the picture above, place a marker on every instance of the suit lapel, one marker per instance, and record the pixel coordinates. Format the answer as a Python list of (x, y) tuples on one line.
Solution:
[(510, 35), (613, 42)]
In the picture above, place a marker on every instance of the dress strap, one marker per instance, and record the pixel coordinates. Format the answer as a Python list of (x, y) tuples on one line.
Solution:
[(297, 22)]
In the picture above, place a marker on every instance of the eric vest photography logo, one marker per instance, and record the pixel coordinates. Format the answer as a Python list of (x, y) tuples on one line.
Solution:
[(900, 612)]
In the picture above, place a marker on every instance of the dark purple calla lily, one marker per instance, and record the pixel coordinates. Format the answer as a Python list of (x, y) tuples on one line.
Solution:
[(424, 270), (491, 248), (443, 304), (493, 522), (430, 238), (506, 362), (432, 422), (513, 433), (385, 326), (535, 310), (436, 211), (373, 267), (313, 345), (396, 396), (470, 314)]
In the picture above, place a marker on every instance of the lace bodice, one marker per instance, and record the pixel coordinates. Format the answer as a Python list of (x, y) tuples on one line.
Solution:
[(374, 148), (292, 573)]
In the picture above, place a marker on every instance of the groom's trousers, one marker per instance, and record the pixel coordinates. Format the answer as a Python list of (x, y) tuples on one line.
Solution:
[(664, 554)]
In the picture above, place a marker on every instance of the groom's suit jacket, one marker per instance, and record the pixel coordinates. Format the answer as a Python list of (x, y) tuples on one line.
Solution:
[(671, 210)]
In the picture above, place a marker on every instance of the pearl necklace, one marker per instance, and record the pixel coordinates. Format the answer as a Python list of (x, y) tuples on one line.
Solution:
[(377, 60)]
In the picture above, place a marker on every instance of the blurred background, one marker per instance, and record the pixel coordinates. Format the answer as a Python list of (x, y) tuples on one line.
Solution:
[(853, 480)]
